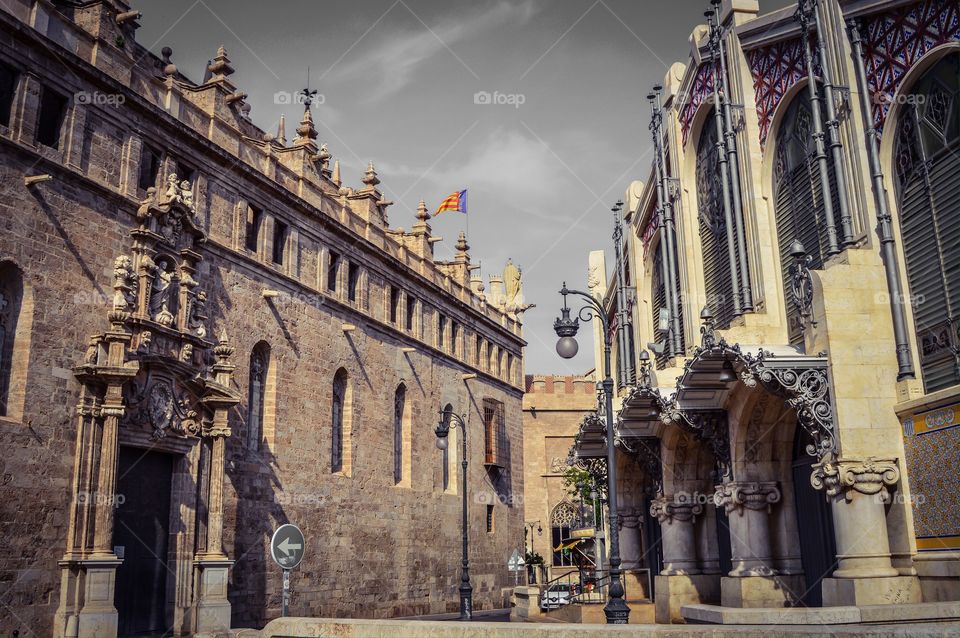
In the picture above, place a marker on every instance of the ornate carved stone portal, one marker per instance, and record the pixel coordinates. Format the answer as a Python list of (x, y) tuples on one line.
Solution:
[(153, 381)]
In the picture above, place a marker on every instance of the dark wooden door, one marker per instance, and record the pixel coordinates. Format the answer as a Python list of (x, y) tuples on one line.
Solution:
[(142, 528), (814, 523)]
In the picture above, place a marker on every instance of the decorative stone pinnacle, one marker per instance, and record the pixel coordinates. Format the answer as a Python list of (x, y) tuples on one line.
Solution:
[(169, 68), (370, 177), (220, 66), (306, 133), (462, 244), (422, 214), (223, 349), (324, 158), (282, 131), (336, 173)]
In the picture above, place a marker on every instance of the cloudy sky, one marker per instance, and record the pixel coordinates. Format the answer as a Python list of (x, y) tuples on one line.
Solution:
[(399, 78)]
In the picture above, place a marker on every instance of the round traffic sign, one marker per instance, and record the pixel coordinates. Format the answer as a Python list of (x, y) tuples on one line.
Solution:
[(287, 545)]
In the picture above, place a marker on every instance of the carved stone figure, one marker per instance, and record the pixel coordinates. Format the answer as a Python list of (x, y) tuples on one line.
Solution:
[(160, 294), (159, 408), (186, 353), (146, 338), (186, 194), (171, 193), (511, 279), (198, 314), (124, 284)]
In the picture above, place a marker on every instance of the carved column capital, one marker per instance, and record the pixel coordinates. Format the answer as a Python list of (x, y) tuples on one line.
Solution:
[(667, 509), (751, 495), (630, 517), (844, 476)]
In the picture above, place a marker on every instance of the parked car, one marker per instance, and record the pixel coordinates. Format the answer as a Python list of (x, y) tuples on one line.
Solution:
[(555, 596)]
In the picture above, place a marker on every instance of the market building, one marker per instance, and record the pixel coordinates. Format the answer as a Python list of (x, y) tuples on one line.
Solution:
[(788, 377), (206, 333)]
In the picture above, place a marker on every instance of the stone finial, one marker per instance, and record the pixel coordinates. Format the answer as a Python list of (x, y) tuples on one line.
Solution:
[(462, 245), (169, 68), (282, 131), (335, 176), (306, 132), (422, 213), (370, 177), (220, 67), (223, 349)]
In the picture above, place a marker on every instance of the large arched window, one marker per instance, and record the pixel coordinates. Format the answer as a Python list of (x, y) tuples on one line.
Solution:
[(714, 234), (259, 368), (399, 414), (927, 157), (11, 299), (799, 201), (340, 430), (564, 517)]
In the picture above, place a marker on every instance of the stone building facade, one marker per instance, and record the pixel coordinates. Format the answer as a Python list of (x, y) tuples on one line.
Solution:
[(206, 334), (790, 271)]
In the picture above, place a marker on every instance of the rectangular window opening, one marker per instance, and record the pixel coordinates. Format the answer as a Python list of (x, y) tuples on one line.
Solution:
[(394, 304), (333, 270), (53, 109), (8, 88), (353, 281), (280, 231), (489, 519), (252, 231), (150, 160)]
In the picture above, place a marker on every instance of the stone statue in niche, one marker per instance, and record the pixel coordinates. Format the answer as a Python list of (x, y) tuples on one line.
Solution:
[(160, 292), (186, 353), (124, 284), (198, 314), (171, 193), (186, 195)]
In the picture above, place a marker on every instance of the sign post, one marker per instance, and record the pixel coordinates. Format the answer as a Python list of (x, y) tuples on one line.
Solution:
[(516, 565), (286, 548)]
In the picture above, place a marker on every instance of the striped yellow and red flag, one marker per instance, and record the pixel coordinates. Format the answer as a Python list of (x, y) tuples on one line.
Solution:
[(456, 202)]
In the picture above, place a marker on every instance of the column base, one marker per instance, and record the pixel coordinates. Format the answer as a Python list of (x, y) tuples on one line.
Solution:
[(212, 614), (673, 592), (839, 592), (761, 591)]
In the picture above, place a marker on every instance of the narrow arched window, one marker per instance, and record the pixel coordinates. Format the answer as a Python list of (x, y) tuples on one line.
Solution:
[(800, 209), (927, 169), (445, 452), (714, 234), (259, 367), (658, 306), (11, 300), (399, 408), (339, 407)]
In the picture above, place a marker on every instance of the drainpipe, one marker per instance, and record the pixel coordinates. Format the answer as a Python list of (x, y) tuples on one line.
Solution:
[(833, 129), (730, 136), (622, 354), (884, 221), (669, 226), (723, 159), (803, 17)]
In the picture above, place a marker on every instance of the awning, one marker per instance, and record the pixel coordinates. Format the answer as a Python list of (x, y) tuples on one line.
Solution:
[(568, 544)]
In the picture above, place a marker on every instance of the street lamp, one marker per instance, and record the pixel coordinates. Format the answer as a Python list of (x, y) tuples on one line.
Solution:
[(616, 610), (442, 432)]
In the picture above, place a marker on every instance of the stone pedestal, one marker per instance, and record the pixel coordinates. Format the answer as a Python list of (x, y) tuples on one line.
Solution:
[(748, 505), (889, 590), (673, 592), (761, 591), (213, 607), (98, 617), (677, 534)]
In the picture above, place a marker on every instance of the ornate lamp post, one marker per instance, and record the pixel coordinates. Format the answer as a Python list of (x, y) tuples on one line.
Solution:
[(450, 420), (616, 609)]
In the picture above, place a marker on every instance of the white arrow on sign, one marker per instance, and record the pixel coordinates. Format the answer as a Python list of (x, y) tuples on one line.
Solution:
[(287, 547)]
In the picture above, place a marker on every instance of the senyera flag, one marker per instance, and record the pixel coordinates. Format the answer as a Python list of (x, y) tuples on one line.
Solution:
[(456, 202)]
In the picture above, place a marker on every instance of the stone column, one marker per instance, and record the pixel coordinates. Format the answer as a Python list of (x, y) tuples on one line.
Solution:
[(676, 529), (748, 506), (753, 582), (631, 548), (680, 582), (857, 491)]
